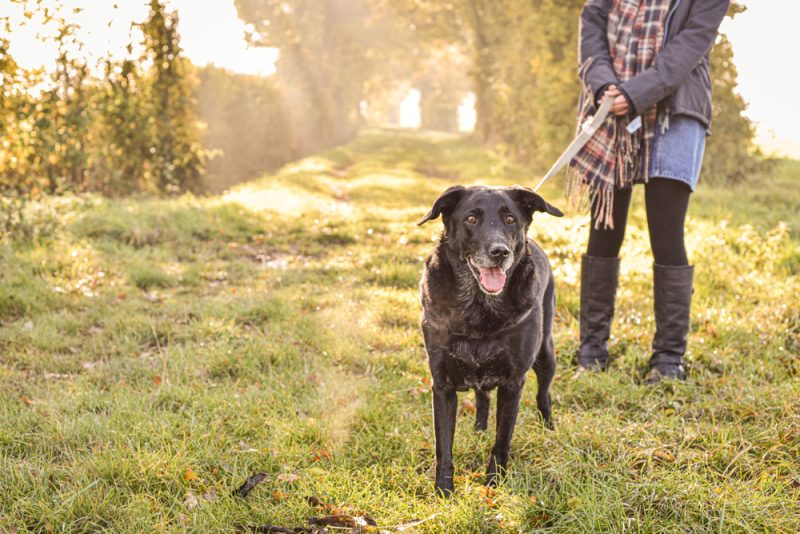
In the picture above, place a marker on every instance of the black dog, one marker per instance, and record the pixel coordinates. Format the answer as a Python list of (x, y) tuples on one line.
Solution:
[(488, 301)]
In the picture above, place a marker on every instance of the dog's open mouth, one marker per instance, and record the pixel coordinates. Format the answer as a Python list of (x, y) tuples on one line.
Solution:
[(491, 279)]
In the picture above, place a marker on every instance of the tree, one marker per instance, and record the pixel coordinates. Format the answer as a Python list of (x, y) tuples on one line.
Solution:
[(177, 162), (245, 128), (328, 49), (731, 155), (131, 128)]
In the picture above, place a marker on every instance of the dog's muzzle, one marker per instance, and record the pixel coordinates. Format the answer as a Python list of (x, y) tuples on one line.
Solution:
[(491, 271)]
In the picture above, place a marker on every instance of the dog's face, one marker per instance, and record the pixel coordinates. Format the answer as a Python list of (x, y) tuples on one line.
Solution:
[(487, 227)]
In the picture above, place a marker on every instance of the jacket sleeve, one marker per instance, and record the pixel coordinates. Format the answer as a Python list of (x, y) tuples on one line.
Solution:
[(599, 72), (679, 57)]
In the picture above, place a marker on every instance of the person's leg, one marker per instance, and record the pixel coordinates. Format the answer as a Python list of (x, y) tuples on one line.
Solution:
[(606, 242), (667, 201), (599, 277)]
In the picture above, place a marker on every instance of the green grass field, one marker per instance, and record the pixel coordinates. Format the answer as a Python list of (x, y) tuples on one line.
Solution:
[(156, 353)]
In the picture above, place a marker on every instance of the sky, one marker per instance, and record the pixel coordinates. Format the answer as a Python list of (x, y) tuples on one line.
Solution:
[(765, 44), (762, 38), (211, 34)]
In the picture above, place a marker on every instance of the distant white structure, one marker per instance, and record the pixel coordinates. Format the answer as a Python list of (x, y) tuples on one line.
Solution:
[(467, 116), (410, 116)]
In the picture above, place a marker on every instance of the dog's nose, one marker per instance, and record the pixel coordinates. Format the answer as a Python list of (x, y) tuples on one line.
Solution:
[(499, 250)]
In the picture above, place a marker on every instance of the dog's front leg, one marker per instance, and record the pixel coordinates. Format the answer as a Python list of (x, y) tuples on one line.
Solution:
[(508, 397), (445, 403), (482, 410)]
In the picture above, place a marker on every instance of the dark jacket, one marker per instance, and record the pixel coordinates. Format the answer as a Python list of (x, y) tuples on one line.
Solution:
[(679, 76)]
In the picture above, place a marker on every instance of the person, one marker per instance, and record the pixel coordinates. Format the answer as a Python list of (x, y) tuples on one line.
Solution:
[(652, 58)]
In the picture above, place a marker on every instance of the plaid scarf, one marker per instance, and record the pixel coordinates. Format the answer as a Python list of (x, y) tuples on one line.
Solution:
[(614, 157)]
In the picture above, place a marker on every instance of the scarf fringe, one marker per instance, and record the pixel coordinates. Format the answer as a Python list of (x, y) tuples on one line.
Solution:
[(597, 195)]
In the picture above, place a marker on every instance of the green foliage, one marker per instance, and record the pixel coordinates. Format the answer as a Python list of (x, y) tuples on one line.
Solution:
[(137, 403), (526, 80), (130, 128), (177, 157), (533, 89), (322, 62)]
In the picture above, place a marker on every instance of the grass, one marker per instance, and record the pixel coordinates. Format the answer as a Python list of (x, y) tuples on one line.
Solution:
[(156, 353)]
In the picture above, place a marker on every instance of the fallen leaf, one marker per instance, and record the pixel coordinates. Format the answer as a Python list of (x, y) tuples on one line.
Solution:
[(335, 511), (319, 454), (190, 475), (191, 501), (487, 497), (275, 529), (157, 380), (244, 447), (538, 519), (419, 390), (249, 484), (26, 400), (152, 296), (288, 478), (342, 521), (468, 407), (413, 523), (279, 495), (664, 455)]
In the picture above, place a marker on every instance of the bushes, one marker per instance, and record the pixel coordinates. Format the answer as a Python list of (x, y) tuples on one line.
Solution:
[(131, 128)]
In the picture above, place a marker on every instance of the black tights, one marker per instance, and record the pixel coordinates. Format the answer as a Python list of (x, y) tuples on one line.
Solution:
[(666, 201)]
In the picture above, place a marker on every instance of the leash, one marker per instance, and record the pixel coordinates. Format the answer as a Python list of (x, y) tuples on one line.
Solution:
[(588, 129)]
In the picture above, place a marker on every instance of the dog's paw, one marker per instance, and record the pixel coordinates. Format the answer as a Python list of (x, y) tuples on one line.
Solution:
[(445, 488), (496, 469)]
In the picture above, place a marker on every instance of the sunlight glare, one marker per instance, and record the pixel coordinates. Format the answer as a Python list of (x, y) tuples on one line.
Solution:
[(409, 110), (467, 115)]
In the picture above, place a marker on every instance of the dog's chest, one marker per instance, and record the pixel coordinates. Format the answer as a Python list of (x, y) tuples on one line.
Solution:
[(477, 363)]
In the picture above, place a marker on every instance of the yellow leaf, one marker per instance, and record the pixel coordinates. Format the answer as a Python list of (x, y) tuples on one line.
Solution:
[(190, 475)]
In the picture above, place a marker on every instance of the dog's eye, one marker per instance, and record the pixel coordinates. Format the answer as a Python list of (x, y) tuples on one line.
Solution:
[(472, 219), (510, 219)]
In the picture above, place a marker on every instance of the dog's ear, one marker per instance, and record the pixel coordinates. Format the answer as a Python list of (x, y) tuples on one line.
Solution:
[(529, 202), (445, 203)]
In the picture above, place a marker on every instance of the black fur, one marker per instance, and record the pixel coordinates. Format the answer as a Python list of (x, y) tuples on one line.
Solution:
[(481, 339)]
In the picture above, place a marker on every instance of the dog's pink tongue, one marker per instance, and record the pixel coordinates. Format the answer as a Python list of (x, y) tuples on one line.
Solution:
[(493, 279)]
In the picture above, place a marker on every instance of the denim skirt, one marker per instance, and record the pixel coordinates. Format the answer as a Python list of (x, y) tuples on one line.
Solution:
[(677, 149)]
